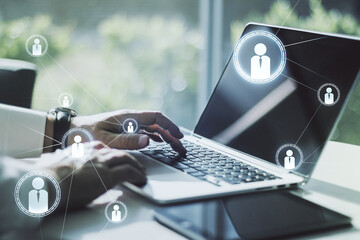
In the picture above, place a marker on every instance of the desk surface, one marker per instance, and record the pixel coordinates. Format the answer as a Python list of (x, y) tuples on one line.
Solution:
[(335, 184)]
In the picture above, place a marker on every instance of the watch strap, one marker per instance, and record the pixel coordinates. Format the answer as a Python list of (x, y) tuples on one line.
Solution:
[(61, 125)]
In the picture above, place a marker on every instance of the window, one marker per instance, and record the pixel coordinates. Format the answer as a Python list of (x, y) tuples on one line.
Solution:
[(154, 54), (111, 54)]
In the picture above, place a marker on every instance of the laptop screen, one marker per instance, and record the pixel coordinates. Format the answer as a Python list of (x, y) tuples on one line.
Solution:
[(280, 95)]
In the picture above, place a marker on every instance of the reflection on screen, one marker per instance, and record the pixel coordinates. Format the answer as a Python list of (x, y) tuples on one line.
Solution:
[(285, 120)]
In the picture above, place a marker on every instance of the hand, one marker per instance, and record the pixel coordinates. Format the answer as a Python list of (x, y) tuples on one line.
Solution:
[(106, 127), (88, 180)]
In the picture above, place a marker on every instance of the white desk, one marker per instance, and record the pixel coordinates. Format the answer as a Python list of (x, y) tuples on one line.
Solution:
[(335, 184)]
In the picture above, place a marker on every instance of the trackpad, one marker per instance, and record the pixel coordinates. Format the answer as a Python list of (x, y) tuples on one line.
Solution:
[(166, 183)]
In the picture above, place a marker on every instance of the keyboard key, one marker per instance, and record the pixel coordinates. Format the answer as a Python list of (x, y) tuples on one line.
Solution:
[(229, 166), (231, 181), (186, 162), (165, 160), (207, 164), (168, 154), (198, 155), (207, 153), (180, 166)]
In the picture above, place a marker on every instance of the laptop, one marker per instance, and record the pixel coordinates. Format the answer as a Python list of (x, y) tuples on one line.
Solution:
[(274, 107)]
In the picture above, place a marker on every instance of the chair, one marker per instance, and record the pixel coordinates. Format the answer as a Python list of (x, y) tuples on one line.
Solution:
[(17, 79)]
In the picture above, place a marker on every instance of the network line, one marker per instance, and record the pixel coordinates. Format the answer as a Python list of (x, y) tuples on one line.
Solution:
[(98, 235), (71, 180), (78, 82), (67, 202), (313, 153), (39, 133), (308, 124), (287, 17), (33, 150), (318, 74), (59, 143), (120, 124), (292, 79), (305, 41), (94, 155), (41, 233)]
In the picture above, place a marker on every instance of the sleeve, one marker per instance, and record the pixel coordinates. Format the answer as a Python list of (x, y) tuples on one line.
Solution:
[(21, 131), (13, 221)]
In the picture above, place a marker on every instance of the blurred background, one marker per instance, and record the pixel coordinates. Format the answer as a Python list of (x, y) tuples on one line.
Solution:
[(154, 54)]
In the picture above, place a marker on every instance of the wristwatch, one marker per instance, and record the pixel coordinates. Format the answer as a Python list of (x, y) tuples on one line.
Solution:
[(61, 124)]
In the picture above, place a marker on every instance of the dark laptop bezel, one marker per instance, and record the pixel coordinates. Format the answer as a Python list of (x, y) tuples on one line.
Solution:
[(276, 28)]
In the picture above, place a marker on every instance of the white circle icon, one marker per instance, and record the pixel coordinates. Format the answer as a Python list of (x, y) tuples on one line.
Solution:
[(289, 156), (116, 212), (36, 45), (130, 126), (37, 194), (259, 57), (328, 94), (65, 100), (75, 139)]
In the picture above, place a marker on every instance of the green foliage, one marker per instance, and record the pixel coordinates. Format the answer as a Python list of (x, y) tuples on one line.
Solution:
[(319, 19), (13, 36), (132, 62), (153, 59), (148, 62)]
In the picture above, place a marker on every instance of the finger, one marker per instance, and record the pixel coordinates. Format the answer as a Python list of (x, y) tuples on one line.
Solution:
[(127, 173), (97, 145), (80, 182), (125, 141), (167, 137), (113, 158), (155, 137), (150, 118)]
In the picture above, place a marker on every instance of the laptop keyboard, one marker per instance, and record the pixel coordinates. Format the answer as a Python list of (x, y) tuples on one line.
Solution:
[(207, 164)]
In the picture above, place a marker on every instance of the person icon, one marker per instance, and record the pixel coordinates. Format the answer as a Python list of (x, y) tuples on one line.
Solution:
[(260, 63), (289, 160), (116, 214), (38, 197), (77, 148), (130, 128), (36, 48), (66, 101), (329, 96)]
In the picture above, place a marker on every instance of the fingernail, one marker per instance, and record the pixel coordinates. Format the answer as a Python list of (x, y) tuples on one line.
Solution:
[(143, 141), (182, 151)]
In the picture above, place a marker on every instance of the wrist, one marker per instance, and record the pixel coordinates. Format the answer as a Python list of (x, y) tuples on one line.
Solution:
[(74, 122), (59, 123), (83, 122)]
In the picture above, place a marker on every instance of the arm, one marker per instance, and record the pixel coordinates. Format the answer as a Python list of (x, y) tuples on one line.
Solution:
[(106, 127), (11, 217), (28, 133), (104, 170)]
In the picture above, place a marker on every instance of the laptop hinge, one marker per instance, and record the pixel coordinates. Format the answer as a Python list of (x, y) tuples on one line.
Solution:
[(196, 136)]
